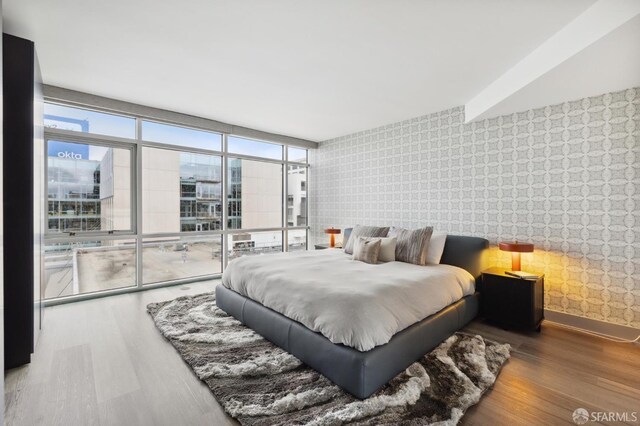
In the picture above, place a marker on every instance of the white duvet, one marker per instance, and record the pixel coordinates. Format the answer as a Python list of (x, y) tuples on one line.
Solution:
[(349, 302)]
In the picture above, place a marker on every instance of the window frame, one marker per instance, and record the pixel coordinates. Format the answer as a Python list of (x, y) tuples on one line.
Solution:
[(140, 135), (141, 190), (90, 109), (100, 141), (136, 145), (283, 168), (283, 148)]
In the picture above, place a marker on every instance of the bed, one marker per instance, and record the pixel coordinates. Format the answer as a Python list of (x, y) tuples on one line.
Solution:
[(359, 362)]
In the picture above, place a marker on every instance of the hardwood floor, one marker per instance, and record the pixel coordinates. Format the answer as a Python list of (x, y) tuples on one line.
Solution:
[(103, 362), (555, 372)]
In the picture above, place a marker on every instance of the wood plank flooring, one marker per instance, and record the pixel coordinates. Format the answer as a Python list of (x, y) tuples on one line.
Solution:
[(103, 362)]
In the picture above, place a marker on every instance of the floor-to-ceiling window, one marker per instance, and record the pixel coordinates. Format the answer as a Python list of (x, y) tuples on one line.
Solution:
[(134, 202)]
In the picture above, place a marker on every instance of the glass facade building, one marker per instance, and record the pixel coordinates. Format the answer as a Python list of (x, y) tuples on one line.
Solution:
[(73, 195)]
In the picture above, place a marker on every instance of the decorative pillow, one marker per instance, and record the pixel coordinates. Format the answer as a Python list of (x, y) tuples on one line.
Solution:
[(345, 236), (436, 247), (412, 245), (387, 249), (364, 231), (366, 249)]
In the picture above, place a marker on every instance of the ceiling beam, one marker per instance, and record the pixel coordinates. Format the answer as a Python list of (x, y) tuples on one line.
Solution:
[(603, 17)]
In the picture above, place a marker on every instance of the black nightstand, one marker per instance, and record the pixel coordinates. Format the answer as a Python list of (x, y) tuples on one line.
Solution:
[(324, 246), (512, 302)]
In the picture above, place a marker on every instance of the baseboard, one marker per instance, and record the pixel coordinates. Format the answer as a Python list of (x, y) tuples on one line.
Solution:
[(593, 325)]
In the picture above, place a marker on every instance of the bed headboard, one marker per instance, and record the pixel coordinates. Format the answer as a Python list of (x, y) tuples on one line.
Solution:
[(463, 252)]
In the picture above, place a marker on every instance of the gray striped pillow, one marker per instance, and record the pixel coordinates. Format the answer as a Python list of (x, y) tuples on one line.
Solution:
[(366, 249), (412, 245), (364, 231)]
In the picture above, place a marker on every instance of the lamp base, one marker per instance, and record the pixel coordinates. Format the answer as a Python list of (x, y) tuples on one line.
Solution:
[(515, 261), (332, 241)]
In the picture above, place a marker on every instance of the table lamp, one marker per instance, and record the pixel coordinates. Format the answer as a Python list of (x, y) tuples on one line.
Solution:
[(332, 232), (516, 248)]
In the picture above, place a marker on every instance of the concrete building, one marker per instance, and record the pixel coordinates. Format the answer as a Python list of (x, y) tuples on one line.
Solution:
[(261, 194), (115, 190), (160, 191), (297, 196)]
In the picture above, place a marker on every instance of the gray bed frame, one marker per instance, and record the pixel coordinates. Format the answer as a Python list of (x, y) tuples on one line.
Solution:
[(363, 373)]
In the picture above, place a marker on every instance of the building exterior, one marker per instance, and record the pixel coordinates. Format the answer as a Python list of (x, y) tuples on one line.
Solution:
[(297, 196), (90, 189), (115, 190), (160, 191), (234, 194), (260, 194), (200, 192), (73, 190)]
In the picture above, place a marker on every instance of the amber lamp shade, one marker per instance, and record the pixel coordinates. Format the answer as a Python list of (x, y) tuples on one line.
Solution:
[(516, 248), (332, 232)]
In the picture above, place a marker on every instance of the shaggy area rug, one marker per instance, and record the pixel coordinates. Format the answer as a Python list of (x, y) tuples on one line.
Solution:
[(260, 384)]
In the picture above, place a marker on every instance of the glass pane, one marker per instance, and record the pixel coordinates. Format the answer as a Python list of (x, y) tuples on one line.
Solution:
[(89, 187), (297, 239), (238, 145), (174, 258), (297, 196), (298, 155), (254, 194), (181, 191), (87, 121), (88, 266), (183, 136), (254, 243)]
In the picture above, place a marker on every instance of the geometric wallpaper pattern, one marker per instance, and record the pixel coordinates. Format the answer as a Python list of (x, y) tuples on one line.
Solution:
[(565, 177)]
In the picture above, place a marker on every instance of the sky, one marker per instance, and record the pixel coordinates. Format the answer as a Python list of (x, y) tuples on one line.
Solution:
[(124, 127)]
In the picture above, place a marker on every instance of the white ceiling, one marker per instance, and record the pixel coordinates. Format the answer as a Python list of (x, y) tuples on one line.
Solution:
[(610, 64), (310, 69)]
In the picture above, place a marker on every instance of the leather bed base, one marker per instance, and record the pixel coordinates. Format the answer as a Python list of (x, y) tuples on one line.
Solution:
[(359, 373)]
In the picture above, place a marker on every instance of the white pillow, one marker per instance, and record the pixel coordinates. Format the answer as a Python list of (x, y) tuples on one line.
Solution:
[(387, 249), (436, 247)]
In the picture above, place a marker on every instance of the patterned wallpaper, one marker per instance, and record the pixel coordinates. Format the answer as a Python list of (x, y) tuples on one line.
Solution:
[(564, 177)]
